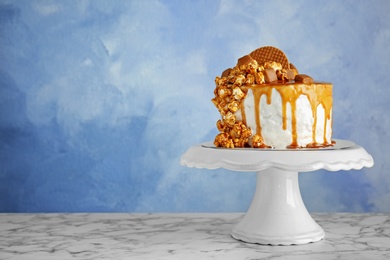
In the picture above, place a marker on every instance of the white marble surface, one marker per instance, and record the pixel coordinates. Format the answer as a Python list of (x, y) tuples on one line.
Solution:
[(180, 236)]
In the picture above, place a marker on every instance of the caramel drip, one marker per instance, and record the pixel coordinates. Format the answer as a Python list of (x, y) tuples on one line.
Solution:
[(290, 94), (312, 95), (317, 94), (243, 115), (257, 93), (326, 102)]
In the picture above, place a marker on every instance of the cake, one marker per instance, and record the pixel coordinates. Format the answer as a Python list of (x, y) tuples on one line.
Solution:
[(265, 102)]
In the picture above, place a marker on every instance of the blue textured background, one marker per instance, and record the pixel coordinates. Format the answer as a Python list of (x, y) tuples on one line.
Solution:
[(99, 99)]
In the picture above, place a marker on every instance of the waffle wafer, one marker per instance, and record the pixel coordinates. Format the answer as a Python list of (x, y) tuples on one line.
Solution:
[(269, 53)]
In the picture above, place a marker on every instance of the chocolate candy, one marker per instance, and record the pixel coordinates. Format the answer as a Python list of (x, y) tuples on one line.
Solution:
[(303, 78), (292, 66), (270, 75), (245, 60), (226, 72), (290, 74)]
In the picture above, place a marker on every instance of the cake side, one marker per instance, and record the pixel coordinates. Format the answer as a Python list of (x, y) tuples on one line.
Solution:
[(292, 115)]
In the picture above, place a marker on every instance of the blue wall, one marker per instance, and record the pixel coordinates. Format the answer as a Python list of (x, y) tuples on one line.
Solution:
[(99, 99)]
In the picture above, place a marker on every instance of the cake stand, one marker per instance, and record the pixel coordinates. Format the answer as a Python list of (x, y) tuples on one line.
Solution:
[(277, 214)]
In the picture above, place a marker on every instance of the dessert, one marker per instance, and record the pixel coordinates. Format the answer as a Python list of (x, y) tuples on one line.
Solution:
[(265, 102)]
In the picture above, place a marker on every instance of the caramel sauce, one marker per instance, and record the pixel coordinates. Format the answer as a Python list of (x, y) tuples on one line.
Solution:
[(257, 93), (317, 94), (243, 115)]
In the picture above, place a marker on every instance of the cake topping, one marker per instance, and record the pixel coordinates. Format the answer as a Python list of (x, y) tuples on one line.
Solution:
[(245, 60), (303, 78), (226, 72), (290, 74), (269, 53), (294, 68), (270, 75)]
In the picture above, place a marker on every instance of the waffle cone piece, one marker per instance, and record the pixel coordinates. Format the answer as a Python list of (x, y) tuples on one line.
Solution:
[(269, 53)]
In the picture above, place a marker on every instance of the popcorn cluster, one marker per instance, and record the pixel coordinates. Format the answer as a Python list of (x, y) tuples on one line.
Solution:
[(229, 95), (236, 135)]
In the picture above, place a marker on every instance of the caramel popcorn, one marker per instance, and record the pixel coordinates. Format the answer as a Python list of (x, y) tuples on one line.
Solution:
[(234, 71), (273, 65), (221, 81), (224, 92), (259, 78), (233, 106), (230, 119), (236, 135), (282, 74), (239, 80), (238, 93), (258, 142), (223, 140), (240, 134), (221, 126), (252, 66), (250, 79)]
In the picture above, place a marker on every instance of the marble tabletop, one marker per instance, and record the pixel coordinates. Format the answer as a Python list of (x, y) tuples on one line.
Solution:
[(180, 236)]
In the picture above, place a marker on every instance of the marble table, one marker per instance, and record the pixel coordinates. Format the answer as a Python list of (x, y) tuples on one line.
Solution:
[(180, 236)]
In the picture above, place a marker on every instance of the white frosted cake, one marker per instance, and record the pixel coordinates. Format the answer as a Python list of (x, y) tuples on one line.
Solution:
[(265, 103)]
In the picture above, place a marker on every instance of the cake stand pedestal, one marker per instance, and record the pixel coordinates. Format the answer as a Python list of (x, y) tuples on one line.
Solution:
[(277, 214)]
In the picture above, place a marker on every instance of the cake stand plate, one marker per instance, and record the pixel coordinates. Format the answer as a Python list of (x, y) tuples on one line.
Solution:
[(277, 214)]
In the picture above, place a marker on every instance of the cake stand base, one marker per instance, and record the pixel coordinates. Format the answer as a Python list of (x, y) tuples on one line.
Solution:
[(277, 215)]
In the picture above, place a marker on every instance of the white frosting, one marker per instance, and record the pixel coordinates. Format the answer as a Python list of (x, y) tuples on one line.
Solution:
[(271, 121)]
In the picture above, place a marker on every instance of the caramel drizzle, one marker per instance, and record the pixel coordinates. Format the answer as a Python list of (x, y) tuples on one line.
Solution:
[(317, 94), (243, 115), (257, 93)]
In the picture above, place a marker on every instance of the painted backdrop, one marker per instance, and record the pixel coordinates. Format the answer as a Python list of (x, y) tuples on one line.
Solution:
[(99, 99)]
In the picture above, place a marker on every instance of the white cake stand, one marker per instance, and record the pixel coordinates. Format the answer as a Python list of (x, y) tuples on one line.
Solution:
[(277, 214)]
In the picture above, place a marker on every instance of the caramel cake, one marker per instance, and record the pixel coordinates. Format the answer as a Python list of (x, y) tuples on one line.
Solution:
[(265, 103)]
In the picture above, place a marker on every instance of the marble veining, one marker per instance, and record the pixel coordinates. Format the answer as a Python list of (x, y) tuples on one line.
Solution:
[(180, 236)]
